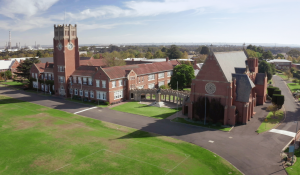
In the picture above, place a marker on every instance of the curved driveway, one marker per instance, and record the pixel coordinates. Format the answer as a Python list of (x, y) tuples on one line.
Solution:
[(243, 147)]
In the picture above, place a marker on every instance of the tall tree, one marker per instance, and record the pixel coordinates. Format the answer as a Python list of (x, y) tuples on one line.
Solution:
[(39, 54), (24, 67), (164, 49), (185, 55), (183, 74), (148, 55), (265, 67), (174, 52), (158, 54), (113, 59), (267, 55), (280, 56), (294, 53), (204, 50)]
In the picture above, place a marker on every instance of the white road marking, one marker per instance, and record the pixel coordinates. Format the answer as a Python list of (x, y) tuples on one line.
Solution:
[(288, 133), (85, 110), (211, 141), (230, 137)]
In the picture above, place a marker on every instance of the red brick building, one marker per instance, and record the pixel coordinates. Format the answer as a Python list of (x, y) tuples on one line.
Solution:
[(90, 78), (233, 79)]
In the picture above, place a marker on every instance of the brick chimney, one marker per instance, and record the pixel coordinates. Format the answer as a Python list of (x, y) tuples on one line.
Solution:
[(167, 59), (47, 64)]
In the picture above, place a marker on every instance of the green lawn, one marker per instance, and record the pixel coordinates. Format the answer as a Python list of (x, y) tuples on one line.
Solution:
[(145, 110), (182, 120), (295, 169), (13, 83), (271, 121), (187, 89), (88, 103), (293, 86), (39, 140)]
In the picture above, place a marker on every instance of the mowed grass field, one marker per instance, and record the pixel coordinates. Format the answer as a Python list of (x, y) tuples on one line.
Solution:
[(134, 107), (39, 140)]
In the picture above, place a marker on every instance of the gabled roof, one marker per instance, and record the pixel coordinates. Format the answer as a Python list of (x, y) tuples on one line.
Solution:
[(228, 61), (40, 67), (6, 64), (243, 87), (140, 69), (46, 59), (260, 78), (93, 62), (85, 70)]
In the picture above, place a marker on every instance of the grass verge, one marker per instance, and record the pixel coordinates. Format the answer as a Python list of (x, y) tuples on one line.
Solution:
[(293, 86), (87, 103), (145, 110), (271, 121), (39, 140), (295, 169), (13, 83), (182, 120)]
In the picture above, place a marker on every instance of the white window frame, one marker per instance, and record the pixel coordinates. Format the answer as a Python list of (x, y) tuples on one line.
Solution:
[(113, 84), (76, 91), (86, 93), (90, 81), (151, 77), (97, 83), (81, 92), (120, 82), (103, 84), (53, 87), (46, 88), (101, 95), (92, 94), (140, 87), (170, 73), (42, 76), (151, 86), (42, 86), (32, 75), (71, 90), (84, 80), (36, 77), (74, 79), (118, 94), (79, 80), (161, 75)]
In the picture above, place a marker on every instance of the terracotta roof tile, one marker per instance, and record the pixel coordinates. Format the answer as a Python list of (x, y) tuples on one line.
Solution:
[(85, 70), (93, 62), (140, 69), (41, 66)]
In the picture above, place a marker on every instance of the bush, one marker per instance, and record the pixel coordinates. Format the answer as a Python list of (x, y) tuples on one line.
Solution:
[(278, 100), (277, 91), (106, 103), (271, 90), (295, 81), (163, 87), (219, 124)]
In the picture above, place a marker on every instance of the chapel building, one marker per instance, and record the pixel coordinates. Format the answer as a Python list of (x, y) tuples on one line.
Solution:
[(231, 78)]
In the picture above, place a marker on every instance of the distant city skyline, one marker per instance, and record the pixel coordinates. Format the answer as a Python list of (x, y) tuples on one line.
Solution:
[(160, 21)]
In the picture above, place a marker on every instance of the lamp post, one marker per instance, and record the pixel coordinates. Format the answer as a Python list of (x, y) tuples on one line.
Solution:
[(177, 99), (295, 142)]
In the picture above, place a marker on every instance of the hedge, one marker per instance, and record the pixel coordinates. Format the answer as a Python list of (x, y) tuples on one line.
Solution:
[(277, 91), (278, 100), (271, 90)]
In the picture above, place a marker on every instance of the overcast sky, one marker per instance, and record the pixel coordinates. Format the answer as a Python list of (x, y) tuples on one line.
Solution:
[(155, 21)]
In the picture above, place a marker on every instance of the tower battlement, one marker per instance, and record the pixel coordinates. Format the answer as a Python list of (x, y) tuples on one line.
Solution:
[(65, 31)]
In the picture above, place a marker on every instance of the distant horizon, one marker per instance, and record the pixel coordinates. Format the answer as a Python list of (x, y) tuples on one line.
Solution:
[(159, 21)]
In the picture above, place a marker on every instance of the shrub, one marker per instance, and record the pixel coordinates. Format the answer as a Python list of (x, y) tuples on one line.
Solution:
[(106, 103), (288, 164), (295, 81), (163, 87), (277, 91), (271, 90), (219, 124)]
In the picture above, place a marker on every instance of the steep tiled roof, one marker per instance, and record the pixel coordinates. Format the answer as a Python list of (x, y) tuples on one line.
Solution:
[(49, 68), (85, 70), (228, 61), (243, 87), (93, 62), (41, 66), (140, 69), (260, 78)]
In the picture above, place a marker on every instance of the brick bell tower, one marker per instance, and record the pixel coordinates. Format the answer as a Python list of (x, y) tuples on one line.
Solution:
[(65, 56)]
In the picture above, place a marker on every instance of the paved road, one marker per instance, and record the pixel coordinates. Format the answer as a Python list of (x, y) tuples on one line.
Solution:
[(249, 152)]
